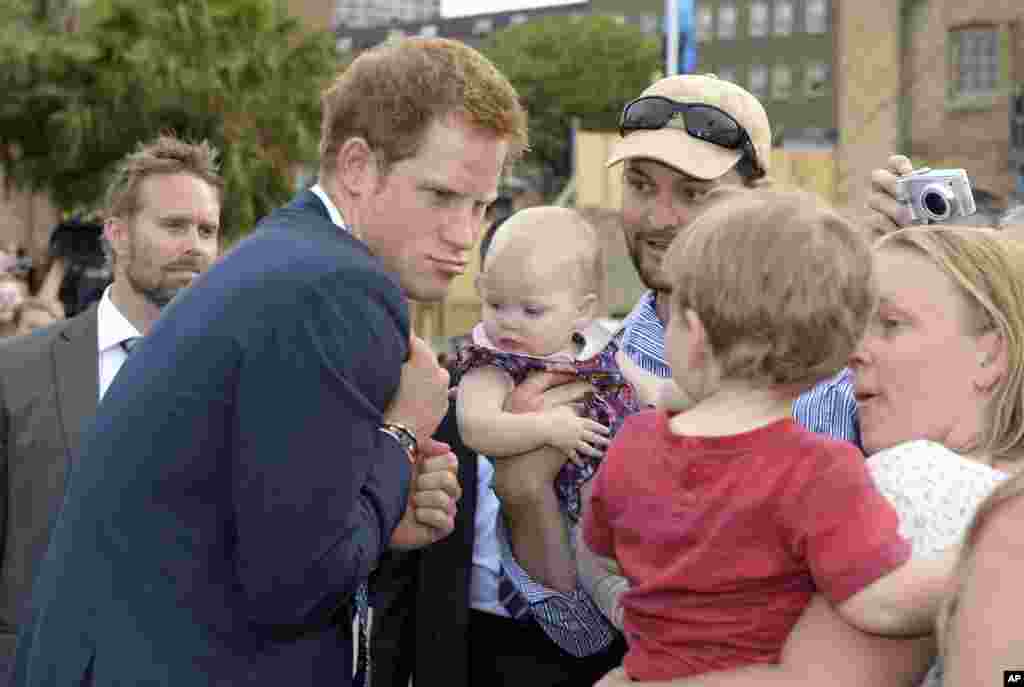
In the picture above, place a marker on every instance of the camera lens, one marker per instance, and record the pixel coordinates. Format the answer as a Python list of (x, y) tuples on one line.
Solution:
[(935, 204)]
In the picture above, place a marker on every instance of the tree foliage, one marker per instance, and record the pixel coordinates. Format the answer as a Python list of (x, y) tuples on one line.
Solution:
[(573, 67), (236, 72)]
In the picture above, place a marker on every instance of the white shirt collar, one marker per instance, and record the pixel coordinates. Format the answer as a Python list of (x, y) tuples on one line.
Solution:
[(332, 210), (113, 326)]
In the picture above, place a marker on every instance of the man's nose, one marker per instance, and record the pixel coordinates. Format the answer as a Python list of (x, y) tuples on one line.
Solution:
[(463, 228), (665, 213)]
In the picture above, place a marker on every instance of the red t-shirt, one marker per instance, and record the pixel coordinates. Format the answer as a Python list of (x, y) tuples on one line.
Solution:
[(725, 539)]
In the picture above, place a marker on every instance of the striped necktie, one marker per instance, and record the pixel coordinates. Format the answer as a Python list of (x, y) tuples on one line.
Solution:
[(362, 610)]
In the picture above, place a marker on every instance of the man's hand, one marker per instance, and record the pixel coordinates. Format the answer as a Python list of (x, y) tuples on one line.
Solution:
[(430, 513), (422, 398), (887, 212), (546, 390), (518, 480)]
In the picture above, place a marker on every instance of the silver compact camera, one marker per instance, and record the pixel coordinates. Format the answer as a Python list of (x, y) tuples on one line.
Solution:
[(936, 195)]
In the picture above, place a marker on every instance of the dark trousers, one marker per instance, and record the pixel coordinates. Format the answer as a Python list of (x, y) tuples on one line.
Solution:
[(518, 653)]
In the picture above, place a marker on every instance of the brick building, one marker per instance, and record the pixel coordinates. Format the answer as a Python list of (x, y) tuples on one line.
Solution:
[(932, 78)]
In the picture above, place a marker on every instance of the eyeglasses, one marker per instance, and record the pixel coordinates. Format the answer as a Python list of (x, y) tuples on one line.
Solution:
[(706, 122)]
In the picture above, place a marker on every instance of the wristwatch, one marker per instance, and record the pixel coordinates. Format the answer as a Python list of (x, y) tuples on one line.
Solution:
[(405, 437)]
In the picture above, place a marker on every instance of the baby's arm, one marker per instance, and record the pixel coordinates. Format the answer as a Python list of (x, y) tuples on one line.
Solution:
[(487, 428), (905, 601)]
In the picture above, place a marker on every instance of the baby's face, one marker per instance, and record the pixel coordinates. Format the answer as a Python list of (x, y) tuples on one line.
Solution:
[(529, 314)]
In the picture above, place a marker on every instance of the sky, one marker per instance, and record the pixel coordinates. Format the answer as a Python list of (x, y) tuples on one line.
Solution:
[(458, 8)]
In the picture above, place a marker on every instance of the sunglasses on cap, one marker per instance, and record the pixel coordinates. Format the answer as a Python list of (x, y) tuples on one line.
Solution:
[(705, 122)]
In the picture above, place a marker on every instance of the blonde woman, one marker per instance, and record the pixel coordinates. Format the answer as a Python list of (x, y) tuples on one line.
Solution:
[(940, 390)]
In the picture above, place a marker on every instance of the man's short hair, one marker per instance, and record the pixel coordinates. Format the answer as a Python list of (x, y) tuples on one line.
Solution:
[(166, 155), (782, 283), (389, 95)]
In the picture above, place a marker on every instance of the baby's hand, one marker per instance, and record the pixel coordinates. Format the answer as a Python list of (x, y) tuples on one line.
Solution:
[(573, 435)]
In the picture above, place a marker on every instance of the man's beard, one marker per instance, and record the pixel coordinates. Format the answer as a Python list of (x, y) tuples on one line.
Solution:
[(157, 294), (651, 277)]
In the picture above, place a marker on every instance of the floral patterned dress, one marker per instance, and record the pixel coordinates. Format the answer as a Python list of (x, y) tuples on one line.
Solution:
[(614, 398)]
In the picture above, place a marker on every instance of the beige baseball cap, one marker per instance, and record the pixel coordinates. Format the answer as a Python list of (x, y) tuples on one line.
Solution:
[(673, 146)]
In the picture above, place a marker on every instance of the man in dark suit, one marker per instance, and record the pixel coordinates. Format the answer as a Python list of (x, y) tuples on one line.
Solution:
[(266, 443), (162, 229)]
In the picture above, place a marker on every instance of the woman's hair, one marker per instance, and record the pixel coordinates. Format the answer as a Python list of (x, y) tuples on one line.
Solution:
[(1014, 215), (988, 269), (389, 96)]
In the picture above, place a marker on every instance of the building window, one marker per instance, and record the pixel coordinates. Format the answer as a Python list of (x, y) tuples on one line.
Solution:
[(783, 17), (343, 44), (816, 16), (705, 23), (428, 30), (817, 79), (758, 19), (975, 60), (759, 80), (782, 82), (727, 21), (727, 74), (518, 19)]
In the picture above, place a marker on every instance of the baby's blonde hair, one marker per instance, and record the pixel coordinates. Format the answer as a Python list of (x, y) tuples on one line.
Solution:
[(554, 236)]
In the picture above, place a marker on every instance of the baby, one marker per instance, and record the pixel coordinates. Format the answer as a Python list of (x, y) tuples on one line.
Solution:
[(539, 287), (726, 518)]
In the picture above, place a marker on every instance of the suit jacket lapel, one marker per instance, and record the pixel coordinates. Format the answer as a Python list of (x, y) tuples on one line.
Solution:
[(76, 362)]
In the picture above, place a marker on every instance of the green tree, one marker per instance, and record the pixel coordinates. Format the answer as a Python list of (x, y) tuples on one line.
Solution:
[(573, 67), (236, 72)]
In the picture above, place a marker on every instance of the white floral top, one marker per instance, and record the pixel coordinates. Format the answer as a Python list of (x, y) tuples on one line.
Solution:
[(935, 491)]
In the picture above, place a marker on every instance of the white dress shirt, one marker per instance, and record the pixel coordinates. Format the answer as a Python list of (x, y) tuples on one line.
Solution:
[(112, 328)]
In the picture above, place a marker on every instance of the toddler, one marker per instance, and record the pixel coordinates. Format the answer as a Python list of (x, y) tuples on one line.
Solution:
[(539, 287), (727, 517)]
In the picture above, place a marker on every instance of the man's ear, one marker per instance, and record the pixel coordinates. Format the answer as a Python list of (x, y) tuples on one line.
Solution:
[(700, 347), (356, 168), (117, 232), (992, 361)]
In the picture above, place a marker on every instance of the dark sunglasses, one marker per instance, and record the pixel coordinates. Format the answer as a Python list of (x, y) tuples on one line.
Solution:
[(706, 122)]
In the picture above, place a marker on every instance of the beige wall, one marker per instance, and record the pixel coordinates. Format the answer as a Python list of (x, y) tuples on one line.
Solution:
[(867, 83), (315, 13)]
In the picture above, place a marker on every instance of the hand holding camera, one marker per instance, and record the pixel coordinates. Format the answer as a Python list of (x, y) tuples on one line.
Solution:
[(901, 197), (936, 195)]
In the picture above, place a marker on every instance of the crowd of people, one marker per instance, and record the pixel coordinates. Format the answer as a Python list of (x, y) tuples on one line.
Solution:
[(794, 462)]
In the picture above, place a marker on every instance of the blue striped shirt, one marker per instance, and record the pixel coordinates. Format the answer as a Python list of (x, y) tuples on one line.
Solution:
[(573, 621)]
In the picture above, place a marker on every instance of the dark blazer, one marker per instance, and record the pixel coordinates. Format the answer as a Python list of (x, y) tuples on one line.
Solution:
[(421, 598), (234, 490), (49, 385)]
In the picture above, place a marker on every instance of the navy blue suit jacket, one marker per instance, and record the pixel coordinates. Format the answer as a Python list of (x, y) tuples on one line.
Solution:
[(235, 488)]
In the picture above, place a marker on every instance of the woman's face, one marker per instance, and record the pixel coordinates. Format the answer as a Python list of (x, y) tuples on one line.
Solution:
[(917, 370)]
